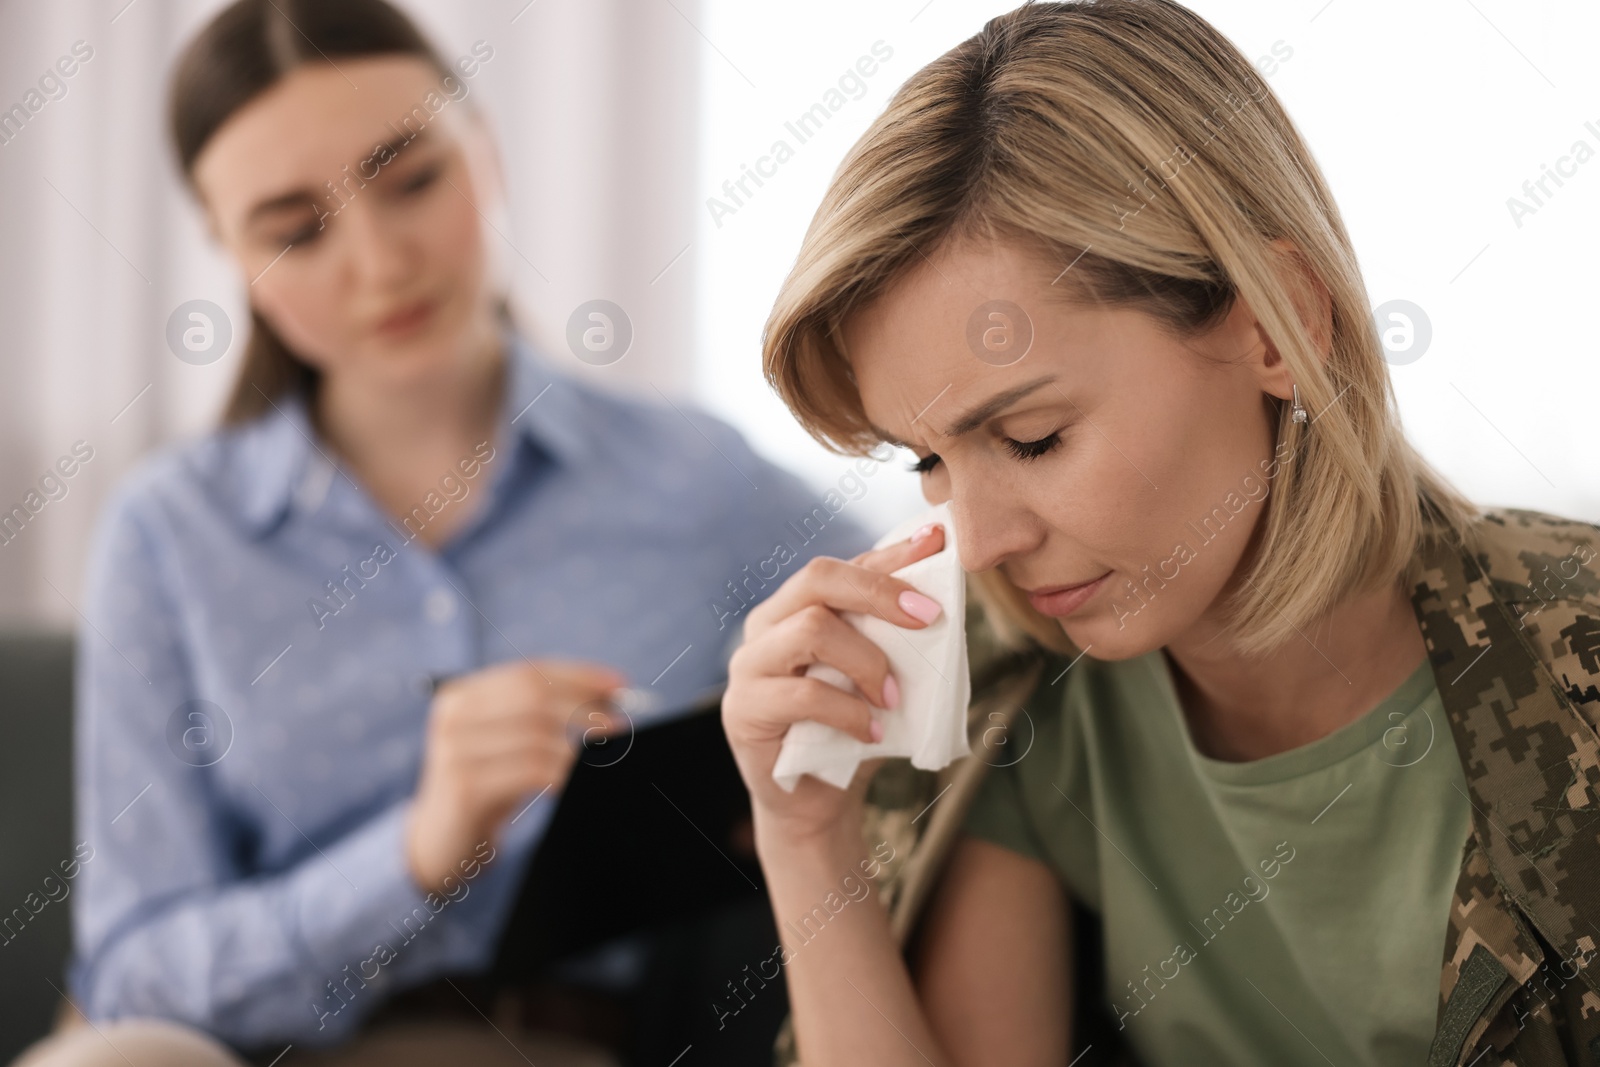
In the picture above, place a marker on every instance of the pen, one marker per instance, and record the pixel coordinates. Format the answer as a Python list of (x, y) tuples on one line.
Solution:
[(629, 699)]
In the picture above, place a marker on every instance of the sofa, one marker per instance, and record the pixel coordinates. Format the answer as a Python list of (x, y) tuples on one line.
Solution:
[(35, 832)]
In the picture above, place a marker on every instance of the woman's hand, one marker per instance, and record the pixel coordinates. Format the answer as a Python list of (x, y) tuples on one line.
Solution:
[(494, 736), (767, 689)]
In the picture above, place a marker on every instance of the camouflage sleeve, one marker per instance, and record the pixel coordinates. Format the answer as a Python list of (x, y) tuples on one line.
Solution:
[(1513, 628)]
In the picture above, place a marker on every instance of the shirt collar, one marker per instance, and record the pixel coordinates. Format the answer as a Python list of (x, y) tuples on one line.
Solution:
[(278, 463), (269, 461), (544, 404)]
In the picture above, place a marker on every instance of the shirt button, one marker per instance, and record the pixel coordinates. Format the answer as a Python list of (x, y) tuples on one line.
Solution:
[(440, 607)]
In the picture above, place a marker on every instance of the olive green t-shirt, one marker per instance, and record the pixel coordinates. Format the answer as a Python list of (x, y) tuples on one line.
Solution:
[(1290, 909)]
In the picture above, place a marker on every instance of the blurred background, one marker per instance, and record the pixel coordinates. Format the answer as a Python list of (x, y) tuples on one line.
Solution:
[(1461, 139), (621, 120)]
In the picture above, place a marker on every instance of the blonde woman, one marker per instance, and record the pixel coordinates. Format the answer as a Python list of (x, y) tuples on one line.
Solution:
[(1313, 743)]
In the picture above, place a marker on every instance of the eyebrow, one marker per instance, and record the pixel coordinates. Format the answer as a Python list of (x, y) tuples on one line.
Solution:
[(978, 415), (298, 198), (308, 197)]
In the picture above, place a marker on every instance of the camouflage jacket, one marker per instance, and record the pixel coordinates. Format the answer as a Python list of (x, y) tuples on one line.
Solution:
[(1512, 629)]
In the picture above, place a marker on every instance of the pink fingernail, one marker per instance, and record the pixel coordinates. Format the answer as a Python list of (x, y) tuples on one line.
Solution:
[(918, 606), (876, 730), (891, 692), (925, 530)]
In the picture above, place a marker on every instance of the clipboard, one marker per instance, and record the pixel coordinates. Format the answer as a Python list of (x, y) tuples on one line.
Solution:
[(652, 827)]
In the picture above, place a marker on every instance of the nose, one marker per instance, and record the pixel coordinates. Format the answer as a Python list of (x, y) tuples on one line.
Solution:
[(380, 250), (992, 523)]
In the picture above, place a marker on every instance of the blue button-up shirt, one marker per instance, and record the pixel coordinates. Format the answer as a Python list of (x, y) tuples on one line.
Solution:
[(252, 682)]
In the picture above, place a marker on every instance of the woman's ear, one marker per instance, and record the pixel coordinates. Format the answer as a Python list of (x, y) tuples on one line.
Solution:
[(1313, 307), (1313, 303)]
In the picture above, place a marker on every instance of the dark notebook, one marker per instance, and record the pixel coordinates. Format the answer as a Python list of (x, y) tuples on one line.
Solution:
[(652, 828)]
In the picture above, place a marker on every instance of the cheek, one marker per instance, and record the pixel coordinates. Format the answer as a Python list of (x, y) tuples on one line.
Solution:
[(451, 231), (1103, 493), (1194, 441), (304, 311), (1168, 509), (1213, 473)]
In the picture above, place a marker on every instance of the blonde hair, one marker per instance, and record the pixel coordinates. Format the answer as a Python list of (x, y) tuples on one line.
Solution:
[(1037, 130)]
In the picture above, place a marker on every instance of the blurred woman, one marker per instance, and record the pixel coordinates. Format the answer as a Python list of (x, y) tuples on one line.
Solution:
[(289, 824), (1315, 747)]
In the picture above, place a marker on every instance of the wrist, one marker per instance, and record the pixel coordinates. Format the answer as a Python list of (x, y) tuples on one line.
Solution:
[(783, 840), (432, 855)]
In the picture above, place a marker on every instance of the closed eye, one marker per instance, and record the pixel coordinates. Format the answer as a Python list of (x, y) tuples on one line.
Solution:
[(305, 235), (1026, 450), (1022, 450), (422, 178)]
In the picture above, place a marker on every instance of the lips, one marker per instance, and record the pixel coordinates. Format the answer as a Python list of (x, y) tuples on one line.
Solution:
[(1061, 600), (407, 319)]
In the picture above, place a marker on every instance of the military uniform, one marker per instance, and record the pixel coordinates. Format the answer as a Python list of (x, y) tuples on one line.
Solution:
[(1512, 628)]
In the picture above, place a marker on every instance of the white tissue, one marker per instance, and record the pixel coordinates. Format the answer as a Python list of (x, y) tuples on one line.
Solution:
[(930, 664)]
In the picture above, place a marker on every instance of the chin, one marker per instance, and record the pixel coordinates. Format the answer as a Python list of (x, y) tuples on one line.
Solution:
[(433, 350), (1107, 638), (418, 357)]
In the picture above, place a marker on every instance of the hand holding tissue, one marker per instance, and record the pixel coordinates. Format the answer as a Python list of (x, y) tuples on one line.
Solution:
[(930, 664)]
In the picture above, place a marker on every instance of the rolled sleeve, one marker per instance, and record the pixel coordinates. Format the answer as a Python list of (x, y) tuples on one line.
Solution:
[(168, 920), (998, 814)]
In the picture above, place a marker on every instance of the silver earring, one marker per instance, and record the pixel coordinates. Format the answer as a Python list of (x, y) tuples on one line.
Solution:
[(1299, 413)]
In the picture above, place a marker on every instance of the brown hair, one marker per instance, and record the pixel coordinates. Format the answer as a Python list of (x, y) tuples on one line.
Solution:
[(240, 53), (1131, 140)]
